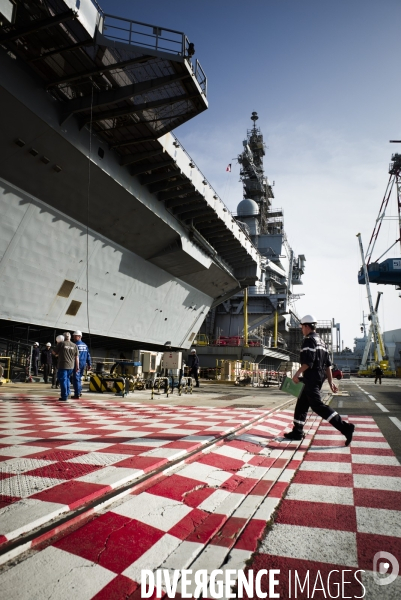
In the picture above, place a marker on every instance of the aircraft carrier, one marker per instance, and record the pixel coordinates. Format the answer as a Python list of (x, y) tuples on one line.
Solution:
[(107, 225)]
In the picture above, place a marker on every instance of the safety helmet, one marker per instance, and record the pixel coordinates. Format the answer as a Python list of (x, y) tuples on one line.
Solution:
[(77, 332), (60, 338), (36, 343), (308, 319), (48, 344), (193, 351), (67, 335)]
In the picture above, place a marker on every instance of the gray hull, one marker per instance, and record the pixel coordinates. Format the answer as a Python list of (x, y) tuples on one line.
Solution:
[(106, 223), (129, 297)]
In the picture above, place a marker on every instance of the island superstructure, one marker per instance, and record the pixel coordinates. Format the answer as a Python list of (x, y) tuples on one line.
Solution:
[(267, 306)]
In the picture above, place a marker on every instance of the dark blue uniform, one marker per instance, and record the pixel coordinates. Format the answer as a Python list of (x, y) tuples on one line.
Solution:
[(35, 359), (84, 361), (193, 364), (46, 358), (314, 354)]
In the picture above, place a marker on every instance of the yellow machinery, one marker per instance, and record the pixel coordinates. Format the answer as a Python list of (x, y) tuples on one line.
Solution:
[(122, 378), (202, 339), (105, 383), (5, 369), (367, 369)]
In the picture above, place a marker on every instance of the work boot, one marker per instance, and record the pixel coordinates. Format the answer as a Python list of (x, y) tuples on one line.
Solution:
[(294, 435), (349, 432)]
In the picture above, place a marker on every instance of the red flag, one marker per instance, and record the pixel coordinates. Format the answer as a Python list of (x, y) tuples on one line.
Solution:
[(228, 168)]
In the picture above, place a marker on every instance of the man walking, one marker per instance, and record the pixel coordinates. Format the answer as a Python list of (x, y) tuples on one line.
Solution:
[(315, 366), (84, 361), (193, 364), (68, 361), (46, 359), (378, 375)]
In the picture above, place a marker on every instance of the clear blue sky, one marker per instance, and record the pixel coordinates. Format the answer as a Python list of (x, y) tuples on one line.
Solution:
[(324, 78)]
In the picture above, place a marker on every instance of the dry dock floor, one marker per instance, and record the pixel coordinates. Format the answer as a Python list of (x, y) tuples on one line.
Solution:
[(110, 486)]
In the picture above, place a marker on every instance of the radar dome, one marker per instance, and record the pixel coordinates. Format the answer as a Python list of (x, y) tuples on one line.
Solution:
[(247, 208)]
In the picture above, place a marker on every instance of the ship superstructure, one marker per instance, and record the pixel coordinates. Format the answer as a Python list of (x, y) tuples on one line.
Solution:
[(106, 221), (270, 311)]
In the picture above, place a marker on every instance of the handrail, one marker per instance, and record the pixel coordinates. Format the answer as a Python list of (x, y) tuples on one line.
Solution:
[(206, 182), (146, 35)]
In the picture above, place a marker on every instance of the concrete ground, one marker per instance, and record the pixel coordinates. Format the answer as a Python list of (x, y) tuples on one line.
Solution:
[(117, 485)]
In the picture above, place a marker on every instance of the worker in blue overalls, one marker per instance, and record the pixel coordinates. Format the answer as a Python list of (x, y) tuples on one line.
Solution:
[(84, 361)]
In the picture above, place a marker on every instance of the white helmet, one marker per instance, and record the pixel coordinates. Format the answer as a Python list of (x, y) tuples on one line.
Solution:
[(308, 319), (36, 343), (77, 332), (48, 344), (193, 351), (60, 338)]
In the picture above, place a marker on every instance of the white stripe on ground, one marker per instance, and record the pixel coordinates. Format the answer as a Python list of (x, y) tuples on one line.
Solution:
[(214, 500), (300, 542), (393, 591), (326, 467), (332, 494), (329, 449), (333, 436), (377, 482), (372, 434), (373, 445), (363, 425), (378, 521), (26, 580), (266, 509), (396, 421), (155, 555), (383, 408), (372, 398), (372, 459)]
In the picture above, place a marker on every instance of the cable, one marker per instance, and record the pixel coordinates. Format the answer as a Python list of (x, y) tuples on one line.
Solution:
[(87, 223)]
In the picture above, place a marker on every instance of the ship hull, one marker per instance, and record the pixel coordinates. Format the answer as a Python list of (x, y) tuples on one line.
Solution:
[(41, 248), (106, 223)]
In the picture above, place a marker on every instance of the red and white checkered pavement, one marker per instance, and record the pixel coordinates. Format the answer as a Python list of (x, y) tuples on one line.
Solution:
[(193, 513), (343, 506), (209, 512), (56, 457)]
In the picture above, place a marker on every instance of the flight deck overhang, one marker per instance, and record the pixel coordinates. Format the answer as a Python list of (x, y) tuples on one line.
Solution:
[(88, 131), (130, 81)]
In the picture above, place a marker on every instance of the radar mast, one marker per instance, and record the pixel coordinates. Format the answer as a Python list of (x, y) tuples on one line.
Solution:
[(256, 185)]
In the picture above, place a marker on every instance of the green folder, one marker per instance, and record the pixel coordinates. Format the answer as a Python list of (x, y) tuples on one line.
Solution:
[(292, 388)]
